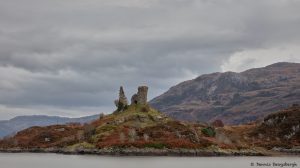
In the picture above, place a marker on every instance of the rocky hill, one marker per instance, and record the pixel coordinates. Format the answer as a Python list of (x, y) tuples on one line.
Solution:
[(131, 127), (10, 127), (137, 125), (234, 98), (138, 129), (141, 130)]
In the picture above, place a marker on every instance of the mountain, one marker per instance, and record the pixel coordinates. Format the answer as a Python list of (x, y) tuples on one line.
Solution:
[(9, 127), (232, 97)]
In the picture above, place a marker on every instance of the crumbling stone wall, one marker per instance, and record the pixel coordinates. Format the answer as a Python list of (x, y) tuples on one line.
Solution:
[(134, 99), (141, 96)]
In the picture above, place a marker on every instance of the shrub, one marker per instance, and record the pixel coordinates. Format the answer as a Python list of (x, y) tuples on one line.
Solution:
[(105, 128), (180, 143), (120, 106), (155, 145), (145, 108), (101, 116), (209, 131), (83, 145), (80, 135), (88, 131)]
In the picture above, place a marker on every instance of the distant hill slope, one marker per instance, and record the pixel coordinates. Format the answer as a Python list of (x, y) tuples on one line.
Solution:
[(233, 97), (8, 127)]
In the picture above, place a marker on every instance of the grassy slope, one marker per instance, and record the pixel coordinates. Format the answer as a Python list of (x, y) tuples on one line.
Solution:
[(137, 126), (144, 127)]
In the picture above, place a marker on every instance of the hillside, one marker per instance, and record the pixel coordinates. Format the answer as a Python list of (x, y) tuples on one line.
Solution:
[(281, 129), (138, 126), (9, 127), (141, 130), (138, 129), (234, 98)]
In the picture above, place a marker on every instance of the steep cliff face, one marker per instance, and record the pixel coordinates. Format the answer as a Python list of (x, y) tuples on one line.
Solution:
[(233, 97)]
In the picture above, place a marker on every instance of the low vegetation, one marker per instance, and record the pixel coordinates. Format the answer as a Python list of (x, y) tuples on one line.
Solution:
[(209, 131), (140, 126)]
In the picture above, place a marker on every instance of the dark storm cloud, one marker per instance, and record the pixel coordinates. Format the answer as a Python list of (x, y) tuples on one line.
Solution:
[(70, 56)]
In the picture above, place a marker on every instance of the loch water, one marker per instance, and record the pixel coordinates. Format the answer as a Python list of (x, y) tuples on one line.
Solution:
[(35, 160)]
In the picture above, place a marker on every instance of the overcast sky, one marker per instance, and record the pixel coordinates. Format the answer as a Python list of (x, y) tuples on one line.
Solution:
[(69, 57)]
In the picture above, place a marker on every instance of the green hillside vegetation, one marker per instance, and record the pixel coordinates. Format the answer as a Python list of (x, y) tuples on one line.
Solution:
[(140, 127), (143, 127)]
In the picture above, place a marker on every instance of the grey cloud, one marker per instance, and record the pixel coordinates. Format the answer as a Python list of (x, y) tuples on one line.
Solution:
[(73, 54)]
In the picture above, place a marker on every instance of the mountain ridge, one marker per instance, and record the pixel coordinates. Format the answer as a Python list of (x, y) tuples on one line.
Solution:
[(233, 97), (9, 127)]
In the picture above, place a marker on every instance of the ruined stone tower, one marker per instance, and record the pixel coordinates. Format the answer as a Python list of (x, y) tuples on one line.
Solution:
[(141, 96)]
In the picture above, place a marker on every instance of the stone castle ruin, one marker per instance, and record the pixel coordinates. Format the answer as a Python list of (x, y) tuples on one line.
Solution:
[(139, 98)]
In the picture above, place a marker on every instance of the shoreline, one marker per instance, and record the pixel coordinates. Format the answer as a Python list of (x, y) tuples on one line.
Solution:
[(141, 152)]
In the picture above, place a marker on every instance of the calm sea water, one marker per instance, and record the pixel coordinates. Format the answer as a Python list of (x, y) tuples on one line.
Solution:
[(87, 161)]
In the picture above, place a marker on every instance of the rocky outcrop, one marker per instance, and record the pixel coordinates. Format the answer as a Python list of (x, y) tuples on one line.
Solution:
[(280, 129)]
